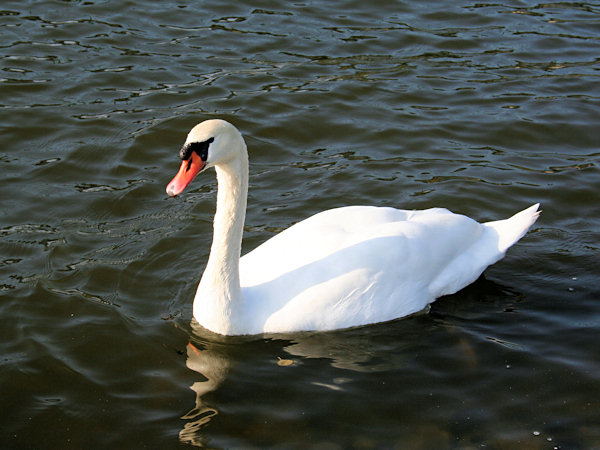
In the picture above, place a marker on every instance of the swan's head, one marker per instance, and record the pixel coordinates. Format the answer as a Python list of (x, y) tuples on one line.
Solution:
[(210, 143)]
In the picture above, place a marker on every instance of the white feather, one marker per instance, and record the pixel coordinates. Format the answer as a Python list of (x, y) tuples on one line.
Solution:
[(340, 268)]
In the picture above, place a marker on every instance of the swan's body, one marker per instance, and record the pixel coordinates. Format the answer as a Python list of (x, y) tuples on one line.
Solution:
[(340, 268)]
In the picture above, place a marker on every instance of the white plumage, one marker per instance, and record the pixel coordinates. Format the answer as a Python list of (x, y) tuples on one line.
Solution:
[(340, 268)]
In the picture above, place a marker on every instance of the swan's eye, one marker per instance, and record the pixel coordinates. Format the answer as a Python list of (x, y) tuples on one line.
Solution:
[(201, 148)]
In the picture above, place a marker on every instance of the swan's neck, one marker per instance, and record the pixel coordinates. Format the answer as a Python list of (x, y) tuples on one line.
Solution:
[(218, 299)]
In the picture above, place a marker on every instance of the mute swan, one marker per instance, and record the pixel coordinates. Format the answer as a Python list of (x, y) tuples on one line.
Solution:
[(344, 267)]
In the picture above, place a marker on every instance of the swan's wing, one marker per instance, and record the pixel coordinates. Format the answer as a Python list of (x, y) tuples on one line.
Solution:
[(315, 238), (352, 266), (359, 265)]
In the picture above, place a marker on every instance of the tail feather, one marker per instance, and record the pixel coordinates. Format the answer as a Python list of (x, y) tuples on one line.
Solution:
[(512, 229)]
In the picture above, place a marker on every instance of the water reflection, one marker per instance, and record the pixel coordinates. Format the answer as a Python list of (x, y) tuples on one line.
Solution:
[(358, 350), (209, 358), (281, 375), (213, 367)]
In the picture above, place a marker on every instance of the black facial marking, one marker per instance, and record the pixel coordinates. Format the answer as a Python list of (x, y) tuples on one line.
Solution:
[(201, 148)]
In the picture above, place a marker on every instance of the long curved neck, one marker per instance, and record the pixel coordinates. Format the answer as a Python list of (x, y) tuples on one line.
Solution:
[(219, 293)]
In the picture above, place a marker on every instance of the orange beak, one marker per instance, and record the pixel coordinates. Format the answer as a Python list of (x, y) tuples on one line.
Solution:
[(188, 170)]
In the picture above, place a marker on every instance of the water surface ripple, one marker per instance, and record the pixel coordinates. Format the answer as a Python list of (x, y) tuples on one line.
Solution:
[(484, 108)]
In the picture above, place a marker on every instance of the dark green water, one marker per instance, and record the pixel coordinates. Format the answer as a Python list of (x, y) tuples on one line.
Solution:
[(483, 108)]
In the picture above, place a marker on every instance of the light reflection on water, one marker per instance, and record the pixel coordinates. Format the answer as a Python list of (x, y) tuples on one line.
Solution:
[(482, 108)]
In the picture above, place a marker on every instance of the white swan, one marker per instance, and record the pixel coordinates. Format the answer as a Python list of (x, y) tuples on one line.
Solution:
[(340, 268)]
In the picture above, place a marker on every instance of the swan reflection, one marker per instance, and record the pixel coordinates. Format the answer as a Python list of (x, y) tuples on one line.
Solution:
[(337, 361), (214, 357), (213, 368), (210, 360)]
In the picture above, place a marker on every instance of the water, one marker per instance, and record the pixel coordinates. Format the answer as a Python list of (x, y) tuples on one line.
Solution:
[(484, 108)]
